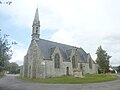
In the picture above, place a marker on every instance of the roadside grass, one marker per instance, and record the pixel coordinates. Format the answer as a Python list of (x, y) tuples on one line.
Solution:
[(88, 78)]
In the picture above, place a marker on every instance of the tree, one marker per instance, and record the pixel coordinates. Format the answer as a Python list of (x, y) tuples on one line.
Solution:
[(13, 68), (5, 51), (102, 60)]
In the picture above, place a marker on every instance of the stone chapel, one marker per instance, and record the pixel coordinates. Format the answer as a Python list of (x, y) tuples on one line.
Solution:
[(46, 58)]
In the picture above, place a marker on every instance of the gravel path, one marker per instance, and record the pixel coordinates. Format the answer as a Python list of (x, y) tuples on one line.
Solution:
[(9, 82)]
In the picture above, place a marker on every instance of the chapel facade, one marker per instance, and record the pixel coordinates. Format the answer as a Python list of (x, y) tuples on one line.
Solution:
[(46, 58)]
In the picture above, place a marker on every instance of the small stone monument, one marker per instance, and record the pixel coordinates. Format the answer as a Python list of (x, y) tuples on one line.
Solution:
[(77, 73)]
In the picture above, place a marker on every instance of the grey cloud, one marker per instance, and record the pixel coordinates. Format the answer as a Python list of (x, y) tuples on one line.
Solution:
[(112, 39)]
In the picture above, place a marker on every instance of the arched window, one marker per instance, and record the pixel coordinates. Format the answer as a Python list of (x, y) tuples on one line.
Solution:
[(73, 62), (90, 63), (57, 61)]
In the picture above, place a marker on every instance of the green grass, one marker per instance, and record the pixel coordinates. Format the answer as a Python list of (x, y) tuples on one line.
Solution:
[(89, 78)]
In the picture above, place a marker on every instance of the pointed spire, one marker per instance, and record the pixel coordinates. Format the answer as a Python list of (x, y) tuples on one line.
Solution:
[(36, 18), (36, 27), (36, 15)]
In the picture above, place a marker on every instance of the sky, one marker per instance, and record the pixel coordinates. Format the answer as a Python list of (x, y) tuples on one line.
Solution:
[(81, 23)]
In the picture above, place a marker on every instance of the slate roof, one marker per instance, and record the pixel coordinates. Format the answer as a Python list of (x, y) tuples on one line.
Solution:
[(48, 47)]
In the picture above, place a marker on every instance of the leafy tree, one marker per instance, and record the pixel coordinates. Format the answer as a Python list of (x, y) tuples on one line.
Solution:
[(5, 51), (102, 60), (13, 68)]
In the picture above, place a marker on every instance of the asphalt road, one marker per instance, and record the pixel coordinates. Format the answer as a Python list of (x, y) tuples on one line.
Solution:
[(9, 82)]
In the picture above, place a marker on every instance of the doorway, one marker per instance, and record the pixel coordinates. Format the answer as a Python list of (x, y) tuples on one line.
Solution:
[(67, 71)]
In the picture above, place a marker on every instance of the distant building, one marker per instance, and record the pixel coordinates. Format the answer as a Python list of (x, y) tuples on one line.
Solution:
[(51, 59)]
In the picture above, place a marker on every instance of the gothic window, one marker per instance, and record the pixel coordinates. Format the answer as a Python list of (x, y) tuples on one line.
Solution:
[(90, 63), (57, 61), (73, 62)]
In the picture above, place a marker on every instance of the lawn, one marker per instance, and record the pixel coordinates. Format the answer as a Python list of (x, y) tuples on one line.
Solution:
[(88, 78)]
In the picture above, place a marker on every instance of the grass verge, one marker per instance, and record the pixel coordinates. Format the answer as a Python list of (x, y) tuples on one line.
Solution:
[(88, 78)]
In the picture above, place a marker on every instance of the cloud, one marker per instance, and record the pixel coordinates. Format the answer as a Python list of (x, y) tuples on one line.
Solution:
[(112, 45), (88, 28), (18, 54), (114, 38), (19, 12), (82, 23)]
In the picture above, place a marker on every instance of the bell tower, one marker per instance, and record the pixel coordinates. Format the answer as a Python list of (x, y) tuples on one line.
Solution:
[(36, 27)]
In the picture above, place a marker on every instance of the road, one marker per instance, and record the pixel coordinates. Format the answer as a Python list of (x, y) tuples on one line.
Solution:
[(9, 82)]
